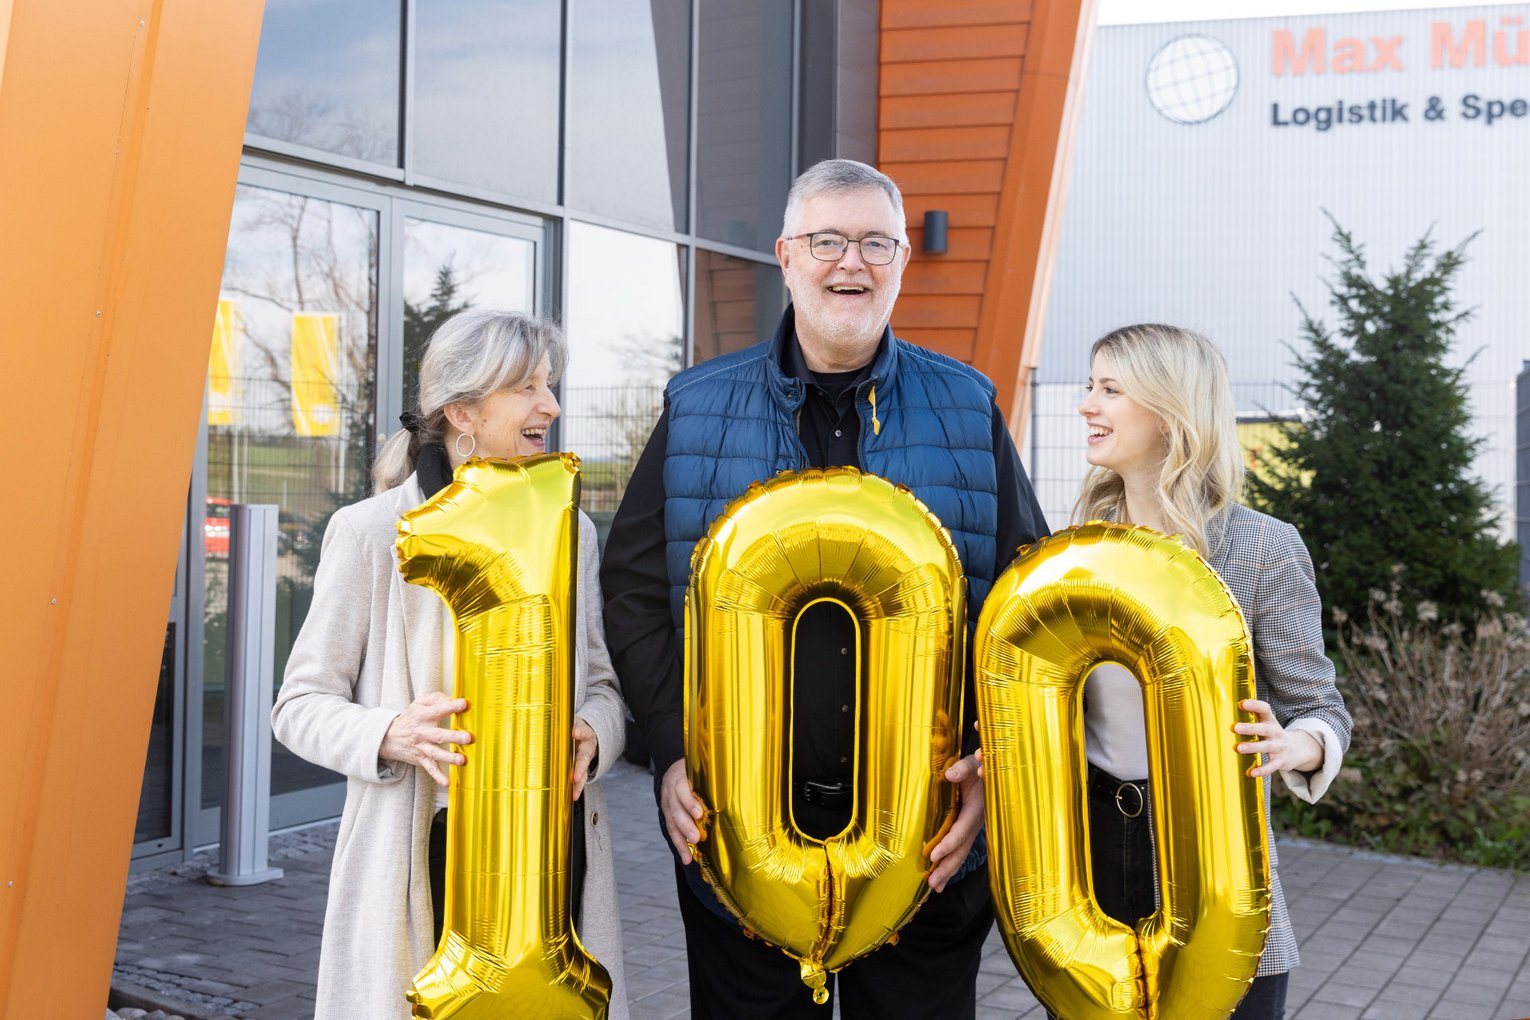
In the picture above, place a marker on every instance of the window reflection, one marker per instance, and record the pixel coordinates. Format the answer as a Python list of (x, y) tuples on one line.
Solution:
[(628, 115), (327, 76), (290, 415), (447, 269), (486, 94), (625, 332), (743, 129), (155, 811), (738, 303)]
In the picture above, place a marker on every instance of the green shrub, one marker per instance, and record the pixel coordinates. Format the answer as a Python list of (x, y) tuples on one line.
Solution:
[(1440, 762), (1381, 464)]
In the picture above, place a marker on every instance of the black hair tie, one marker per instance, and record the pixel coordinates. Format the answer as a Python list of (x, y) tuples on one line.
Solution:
[(412, 421)]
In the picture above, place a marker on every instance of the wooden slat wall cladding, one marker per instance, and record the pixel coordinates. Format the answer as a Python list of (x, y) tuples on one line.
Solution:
[(969, 123)]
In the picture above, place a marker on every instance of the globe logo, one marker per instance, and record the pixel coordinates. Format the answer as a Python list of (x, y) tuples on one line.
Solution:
[(1191, 79)]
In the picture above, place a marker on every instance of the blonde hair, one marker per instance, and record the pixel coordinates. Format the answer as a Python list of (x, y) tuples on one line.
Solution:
[(472, 355), (1181, 377)]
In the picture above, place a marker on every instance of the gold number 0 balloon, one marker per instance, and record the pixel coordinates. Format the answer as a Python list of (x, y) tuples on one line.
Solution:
[(872, 547), (501, 546), (1129, 595)]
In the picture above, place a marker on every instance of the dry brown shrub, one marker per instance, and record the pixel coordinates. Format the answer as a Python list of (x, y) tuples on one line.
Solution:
[(1440, 760)]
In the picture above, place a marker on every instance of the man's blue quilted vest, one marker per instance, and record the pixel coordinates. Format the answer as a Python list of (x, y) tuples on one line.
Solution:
[(733, 421)]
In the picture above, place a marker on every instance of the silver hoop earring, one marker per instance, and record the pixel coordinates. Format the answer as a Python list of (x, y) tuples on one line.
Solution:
[(472, 439)]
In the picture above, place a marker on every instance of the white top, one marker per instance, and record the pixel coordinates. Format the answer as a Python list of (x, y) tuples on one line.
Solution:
[(1115, 727)]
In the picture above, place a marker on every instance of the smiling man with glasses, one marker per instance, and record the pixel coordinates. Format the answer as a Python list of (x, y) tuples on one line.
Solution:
[(832, 387)]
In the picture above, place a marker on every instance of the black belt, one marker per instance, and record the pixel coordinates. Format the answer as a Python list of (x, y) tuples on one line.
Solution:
[(1129, 796), (826, 793)]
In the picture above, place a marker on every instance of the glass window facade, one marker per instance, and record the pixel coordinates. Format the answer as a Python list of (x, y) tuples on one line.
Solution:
[(449, 268), (743, 122), (290, 417), (738, 302), (626, 337), (620, 166), (327, 77), (156, 806), (629, 110), (486, 80)]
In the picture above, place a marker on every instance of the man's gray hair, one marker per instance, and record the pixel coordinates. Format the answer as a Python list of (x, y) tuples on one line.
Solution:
[(839, 175)]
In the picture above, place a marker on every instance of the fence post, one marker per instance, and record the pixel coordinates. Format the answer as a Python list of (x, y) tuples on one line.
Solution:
[(1035, 425), (247, 698)]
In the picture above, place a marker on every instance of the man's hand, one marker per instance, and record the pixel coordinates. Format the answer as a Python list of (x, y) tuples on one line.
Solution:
[(415, 736), (950, 852), (681, 809), (586, 747)]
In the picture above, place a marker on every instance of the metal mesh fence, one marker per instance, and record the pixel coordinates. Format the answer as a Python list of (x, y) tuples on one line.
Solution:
[(607, 426)]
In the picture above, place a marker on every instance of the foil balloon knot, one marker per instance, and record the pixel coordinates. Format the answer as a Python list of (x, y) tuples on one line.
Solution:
[(817, 979), (1116, 593), (872, 549), (500, 546)]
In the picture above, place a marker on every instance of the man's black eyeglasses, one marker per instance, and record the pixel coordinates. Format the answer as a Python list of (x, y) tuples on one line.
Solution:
[(827, 246)]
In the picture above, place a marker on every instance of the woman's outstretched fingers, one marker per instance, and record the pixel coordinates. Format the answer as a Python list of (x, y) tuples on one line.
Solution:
[(416, 737)]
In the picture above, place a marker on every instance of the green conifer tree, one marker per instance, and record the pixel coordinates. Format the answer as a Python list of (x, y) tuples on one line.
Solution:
[(421, 322), (1380, 471)]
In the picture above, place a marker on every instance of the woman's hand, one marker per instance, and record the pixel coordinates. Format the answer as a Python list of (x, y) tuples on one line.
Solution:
[(586, 747), (415, 736), (1284, 750), (947, 856)]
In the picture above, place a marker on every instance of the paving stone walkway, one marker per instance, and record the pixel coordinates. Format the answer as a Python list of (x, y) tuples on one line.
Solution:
[(1382, 938)]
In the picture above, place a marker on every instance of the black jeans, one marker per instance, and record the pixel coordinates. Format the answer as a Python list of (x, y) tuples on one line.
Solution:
[(930, 972), (1121, 863), (436, 860)]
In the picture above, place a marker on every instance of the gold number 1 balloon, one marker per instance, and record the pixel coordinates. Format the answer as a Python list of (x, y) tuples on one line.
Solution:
[(501, 546), (800, 539), (1109, 592)]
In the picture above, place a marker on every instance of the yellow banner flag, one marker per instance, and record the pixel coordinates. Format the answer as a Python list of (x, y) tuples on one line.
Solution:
[(1261, 441), (315, 373), (223, 364)]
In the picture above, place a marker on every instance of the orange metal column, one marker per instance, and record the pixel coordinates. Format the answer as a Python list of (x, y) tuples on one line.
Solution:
[(120, 130), (1031, 202), (977, 116)]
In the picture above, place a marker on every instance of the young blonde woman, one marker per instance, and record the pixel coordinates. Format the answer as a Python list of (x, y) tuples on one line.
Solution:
[(365, 693), (1164, 451)]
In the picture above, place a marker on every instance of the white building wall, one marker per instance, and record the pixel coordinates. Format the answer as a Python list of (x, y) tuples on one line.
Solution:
[(1217, 225)]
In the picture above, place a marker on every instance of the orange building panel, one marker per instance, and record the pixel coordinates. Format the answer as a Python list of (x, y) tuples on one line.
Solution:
[(976, 118), (942, 13), (953, 343), (940, 276), (121, 123), (895, 112), (932, 77), (954, 143), (961, 42)]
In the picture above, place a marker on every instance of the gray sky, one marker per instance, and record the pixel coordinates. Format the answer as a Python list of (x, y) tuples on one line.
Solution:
[(1133, 12)]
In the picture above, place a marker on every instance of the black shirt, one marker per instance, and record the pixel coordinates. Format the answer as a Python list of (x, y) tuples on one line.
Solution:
[(641, 633)]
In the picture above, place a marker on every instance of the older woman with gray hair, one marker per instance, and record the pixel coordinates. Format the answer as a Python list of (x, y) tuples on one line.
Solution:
[(365, 693)]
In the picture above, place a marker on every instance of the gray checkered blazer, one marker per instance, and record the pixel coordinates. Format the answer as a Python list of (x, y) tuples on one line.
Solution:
[(1262, 559)]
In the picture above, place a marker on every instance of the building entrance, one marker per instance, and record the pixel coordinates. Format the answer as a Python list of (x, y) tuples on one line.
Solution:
[(329, 293)]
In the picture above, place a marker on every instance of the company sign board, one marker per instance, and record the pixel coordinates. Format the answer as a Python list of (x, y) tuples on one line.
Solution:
[(1208, 155)]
